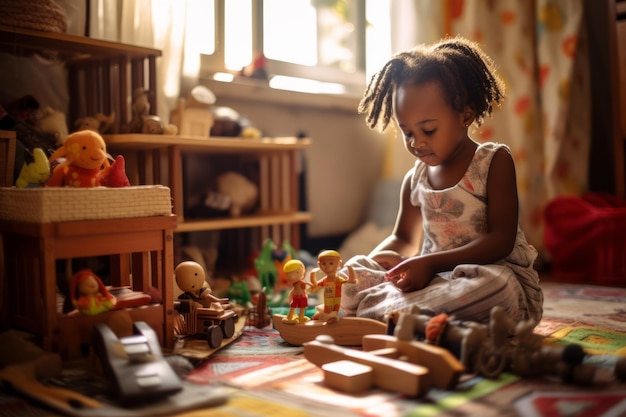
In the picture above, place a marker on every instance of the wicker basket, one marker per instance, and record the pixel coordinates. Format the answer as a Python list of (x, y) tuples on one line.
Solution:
[(61, 204)]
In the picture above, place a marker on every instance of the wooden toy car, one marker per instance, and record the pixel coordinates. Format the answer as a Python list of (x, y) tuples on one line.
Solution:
[(215, 322)]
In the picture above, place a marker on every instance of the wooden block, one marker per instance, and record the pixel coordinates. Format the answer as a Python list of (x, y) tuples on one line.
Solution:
[(393, 375), (445, 368), (348, 376)]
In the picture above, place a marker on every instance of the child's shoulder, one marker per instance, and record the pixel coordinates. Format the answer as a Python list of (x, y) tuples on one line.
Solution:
[(485, 151), (491, 147)]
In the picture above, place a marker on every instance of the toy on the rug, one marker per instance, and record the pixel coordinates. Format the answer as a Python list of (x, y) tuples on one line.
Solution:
[(193, 116), (202, 312), (463, 339), (266, 267), (100, 122), (52, 122), (329, 262), (349, 331), (407, 367), (298, 298), (35, 170), (260, 314), (86, 161), (89, 295), (191, 279), (497, 347), (238, 292), (269, 265)]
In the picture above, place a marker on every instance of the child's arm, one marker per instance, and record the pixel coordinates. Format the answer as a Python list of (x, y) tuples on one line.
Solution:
[(406, 237), (495, 244)]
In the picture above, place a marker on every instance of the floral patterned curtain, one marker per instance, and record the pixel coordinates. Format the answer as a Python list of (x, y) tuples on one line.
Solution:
[(539, 47)]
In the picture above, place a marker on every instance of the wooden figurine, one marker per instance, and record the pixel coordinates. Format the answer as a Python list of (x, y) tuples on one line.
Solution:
[(202, 312), (425, 365), (191, 279), (465, 339), (348, 331), (329, 261)]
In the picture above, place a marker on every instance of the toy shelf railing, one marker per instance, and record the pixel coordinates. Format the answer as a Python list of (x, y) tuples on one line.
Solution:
[(101, 75), (278, 166)]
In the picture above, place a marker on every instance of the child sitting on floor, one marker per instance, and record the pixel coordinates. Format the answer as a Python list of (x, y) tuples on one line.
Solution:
[(456, 246)]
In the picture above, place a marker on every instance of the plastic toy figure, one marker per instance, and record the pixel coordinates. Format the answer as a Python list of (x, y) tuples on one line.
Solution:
[(329, 261), (89, 295), (294, 270)]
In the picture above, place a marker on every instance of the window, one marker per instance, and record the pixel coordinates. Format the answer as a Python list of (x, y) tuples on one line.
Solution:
[(308, 45)]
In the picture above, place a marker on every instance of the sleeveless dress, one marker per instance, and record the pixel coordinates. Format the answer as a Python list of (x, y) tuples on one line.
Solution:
[(452, 218)]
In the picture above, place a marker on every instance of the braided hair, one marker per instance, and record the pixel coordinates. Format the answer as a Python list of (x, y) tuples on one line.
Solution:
[(466, 74)]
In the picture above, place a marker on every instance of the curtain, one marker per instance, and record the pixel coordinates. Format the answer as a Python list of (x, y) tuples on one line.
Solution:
[(158, 24), (539, 47)]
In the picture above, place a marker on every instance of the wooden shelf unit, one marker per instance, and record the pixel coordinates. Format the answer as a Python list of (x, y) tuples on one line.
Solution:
[(101, 74), (157, 159), (141, 255)]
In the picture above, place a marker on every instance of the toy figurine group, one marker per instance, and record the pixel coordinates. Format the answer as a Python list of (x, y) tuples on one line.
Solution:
[(329, 262)]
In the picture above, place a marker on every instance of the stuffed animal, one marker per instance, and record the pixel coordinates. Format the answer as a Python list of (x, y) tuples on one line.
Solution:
[(140, 108), (99, 123), (243, 192), (52, 122), (89, 295), (35, 170), (154, 126), (86, 161), (117, 174)]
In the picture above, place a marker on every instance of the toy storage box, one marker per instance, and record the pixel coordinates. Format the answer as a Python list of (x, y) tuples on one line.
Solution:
[(62, 204), (132, 225)]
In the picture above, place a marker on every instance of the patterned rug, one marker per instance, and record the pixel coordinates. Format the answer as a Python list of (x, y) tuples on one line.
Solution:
[(266, 377), (594, 317)]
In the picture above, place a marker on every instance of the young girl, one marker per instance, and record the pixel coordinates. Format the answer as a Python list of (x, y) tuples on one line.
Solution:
[(456, 246)]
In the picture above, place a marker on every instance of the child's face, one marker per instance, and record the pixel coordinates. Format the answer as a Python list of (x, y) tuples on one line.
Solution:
[(432, 129)]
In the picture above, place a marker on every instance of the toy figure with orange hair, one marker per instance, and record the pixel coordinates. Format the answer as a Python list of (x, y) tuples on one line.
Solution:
[(86, 161), (89, 295)]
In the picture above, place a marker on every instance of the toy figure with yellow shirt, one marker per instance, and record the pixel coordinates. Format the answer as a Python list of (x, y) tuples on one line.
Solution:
[(329, 261)]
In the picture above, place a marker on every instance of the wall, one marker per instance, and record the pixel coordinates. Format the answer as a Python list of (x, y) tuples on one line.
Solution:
[(344, 160)]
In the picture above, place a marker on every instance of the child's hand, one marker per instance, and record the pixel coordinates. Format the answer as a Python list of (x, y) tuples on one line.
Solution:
[(388, 258), (411, 275)]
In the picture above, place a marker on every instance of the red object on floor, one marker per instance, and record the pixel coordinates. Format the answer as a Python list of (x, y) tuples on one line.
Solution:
[(586, 238)]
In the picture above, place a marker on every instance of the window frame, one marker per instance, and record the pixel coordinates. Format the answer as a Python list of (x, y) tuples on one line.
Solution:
[(353, 82)]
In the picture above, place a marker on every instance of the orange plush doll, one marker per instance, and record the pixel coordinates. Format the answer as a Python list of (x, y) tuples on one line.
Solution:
[(86, 161)]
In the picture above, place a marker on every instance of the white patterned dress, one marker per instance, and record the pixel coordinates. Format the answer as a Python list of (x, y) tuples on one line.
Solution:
[(451, 218)]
